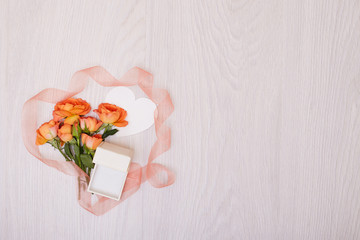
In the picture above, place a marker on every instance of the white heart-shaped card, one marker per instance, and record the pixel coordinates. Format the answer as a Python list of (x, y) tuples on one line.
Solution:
[(140, 112)]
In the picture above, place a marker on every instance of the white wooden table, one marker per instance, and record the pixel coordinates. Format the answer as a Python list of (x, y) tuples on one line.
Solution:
[(266, 128)]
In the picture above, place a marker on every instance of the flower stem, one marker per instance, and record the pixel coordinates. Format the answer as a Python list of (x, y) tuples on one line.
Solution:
[(67, 159), (55, 144)]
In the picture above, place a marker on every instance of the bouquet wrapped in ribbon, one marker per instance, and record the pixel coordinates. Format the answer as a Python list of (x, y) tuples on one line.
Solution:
[(76, 136)]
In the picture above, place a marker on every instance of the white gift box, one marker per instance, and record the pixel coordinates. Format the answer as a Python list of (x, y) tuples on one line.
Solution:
[(111, 168)]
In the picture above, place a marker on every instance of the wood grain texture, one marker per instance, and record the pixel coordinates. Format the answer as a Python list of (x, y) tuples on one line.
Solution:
[(266, 128)]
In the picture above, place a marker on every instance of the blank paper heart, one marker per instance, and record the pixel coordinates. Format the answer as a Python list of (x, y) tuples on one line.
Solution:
[(140, 112)]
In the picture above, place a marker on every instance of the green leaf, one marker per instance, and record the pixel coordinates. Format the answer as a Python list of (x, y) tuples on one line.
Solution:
[(75, 131), (87, 160), (109, 133), (76, 150), (68, 151), (77, 154), (87, 150)]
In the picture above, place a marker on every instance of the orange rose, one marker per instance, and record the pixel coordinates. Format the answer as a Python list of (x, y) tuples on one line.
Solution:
[(46, 132), (65, 133), (91, 142), (110, 113), (70, 107), (91, 123)]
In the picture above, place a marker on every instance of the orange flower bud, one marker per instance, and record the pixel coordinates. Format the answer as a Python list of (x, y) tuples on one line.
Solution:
[(46, 132), (91, 123), (112, 114), (65, 133), (91, 142)]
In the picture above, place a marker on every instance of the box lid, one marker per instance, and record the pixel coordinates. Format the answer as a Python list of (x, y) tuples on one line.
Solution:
[(113, 156)]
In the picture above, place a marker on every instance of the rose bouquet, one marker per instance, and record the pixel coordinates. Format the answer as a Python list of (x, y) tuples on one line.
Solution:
[(76, 136)]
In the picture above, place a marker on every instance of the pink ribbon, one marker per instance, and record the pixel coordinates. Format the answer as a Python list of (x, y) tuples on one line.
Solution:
[(137, 174)]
